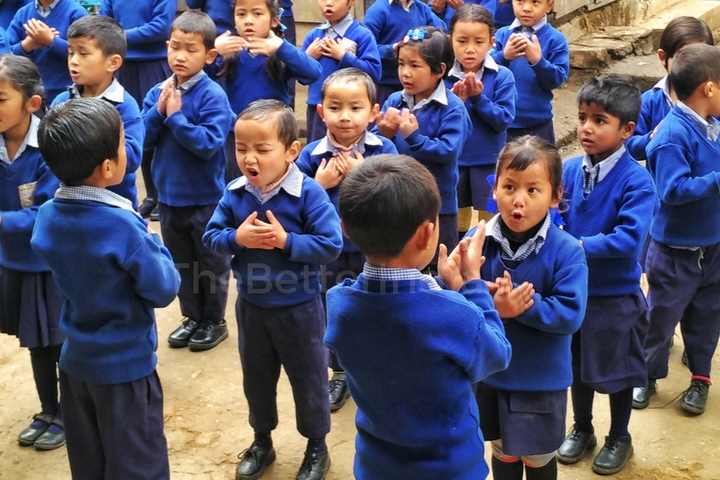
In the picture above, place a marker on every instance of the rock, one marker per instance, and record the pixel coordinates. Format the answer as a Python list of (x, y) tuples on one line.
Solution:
[(588, 58)]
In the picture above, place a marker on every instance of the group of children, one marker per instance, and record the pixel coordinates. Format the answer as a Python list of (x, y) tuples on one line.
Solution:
[(520, 310)]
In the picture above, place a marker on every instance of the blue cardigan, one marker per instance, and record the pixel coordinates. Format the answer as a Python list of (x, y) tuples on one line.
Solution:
[(8, 8), (189, 160), (536, 82), (389, 23), (367, 58), (113, 274), (401, 343), (685, 166), (52, 60), (146, 24), (221, 12), (541, 336), (278, 278), (612, 223), (654, 108)]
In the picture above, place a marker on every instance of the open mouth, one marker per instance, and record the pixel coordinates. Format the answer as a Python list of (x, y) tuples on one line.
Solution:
[(516, 216)]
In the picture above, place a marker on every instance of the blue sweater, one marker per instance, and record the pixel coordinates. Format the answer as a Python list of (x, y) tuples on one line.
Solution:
[(536, 82), (447, 14), (654, 108), (221, 12), (491, 113), (685, 166), (278, 278), (113, 274), (189, 160), (52, 60), (366, 58), (18, 218), (540, 337), (437, 142), (612, 223), (389, 23), (146, 24), (8, 8), (401, 343)]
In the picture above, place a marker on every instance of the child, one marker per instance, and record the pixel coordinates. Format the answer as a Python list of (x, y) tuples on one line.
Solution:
[(539, 276), (657, 102), (427, 121), (147, 26), (539, 57), (389, 22), (339, 42), (488, 91), (39, 31), (411, 347), (259, 63), (445, 9), (348, 107), (187, 118), (96, 48), (683, 259), (113, 273), (277, 218), (611, 200), (30, 301)]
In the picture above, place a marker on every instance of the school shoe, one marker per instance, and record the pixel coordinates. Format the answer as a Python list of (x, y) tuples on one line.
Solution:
[(575, 445), (339, 393), (254, 461), (54, 436), (208, 335), (41, 422), (181, 336), (315, 466), (641, 395), (155, 214), (146, 207), (613, 456), (695, 397)]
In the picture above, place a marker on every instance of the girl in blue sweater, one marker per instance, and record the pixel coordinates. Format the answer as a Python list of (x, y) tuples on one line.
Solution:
[(30, 302), (539, 275)]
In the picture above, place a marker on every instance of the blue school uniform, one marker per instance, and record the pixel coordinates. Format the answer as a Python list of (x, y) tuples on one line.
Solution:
[(8, 8), (52, 60), (221, 12), (146, 24), (656, 104), (448, 12)]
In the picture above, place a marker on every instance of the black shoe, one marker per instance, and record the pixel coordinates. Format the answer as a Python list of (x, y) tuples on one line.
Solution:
[(208, 335), (641, 395), (146, 207), (613, 456), (575, 445), (339, 393), (40, 424), (695, 397), (253, 462), (155, 214), (54, 436), (181, 336), (315, 466)]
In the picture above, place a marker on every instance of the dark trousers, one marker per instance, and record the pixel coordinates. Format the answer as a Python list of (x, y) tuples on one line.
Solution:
[(232, 171), (204, 276), (291, 337), (291, 36), (44, 361), (115, 431), (545, 130), (684, 285), (315, 127)]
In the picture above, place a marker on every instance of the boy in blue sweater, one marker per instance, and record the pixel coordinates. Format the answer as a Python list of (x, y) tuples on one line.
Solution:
[(610, 202), (412, 345), (280, 226), (539, 57), (348, 107), (96, 49), (113, 274), (683, 259), (39, 31), (187, 119)]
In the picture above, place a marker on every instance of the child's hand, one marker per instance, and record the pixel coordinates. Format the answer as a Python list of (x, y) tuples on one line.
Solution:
[(280, 235), (265, 46), (163, 98), (227, 43), (328, 175), (28, 44), (408, 123), (250, 235), (331, 48), (389, 122), (471, 254), (511, 302), (515, 47), (346, 162), (492, 287), (315, 49), (455, 4), (174, 101), (460, 89), (473, 86), (39, 31), (533, 51), (449, 267)]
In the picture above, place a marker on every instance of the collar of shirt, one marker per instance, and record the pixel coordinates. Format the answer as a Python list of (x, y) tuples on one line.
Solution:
[(457, 68), (94, 194), (190, 83), (603, 167), (534, 244), (439, 95), (709, 128), (326, 146), (30, 139), (517, 26), (292, 184), (340, 29), (399, 274), (664, 85), (399, 2), (45, 11), (115, 93)]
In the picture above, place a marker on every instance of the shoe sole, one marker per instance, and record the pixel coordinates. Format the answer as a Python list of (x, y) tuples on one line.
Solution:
[(259, 474), (692, 409), (201, 347), (612, 471), (640, 405), (177, 344), (45, 447), (334, 407), (571, 460)]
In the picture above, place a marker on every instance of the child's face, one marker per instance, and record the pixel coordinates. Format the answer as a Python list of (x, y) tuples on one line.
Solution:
[(529, 12), (415, 75), (187, 54), (88, 64), (335, 10), (667, 61), (13, 111), (347, 111), (471, 42), (253, 19), (600, 133), (260, 154), (524, 196)]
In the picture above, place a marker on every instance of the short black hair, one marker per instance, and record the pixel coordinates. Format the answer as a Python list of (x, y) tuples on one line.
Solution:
[(384, 200), (617, 94), (348, 75), (470, 12), (682, 31), (693, 66), (524, 151), (193, 21), (434, 47), (277, 114), (107, 33), (77, 136)]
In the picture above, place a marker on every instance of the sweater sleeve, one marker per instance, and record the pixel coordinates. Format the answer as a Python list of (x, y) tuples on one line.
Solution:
[(134, 133), (220, 231), (497, 52), (16, 32), (375, 19), (637, 144), (18, 221), (153, 120), (442, 147), (152, 267), (553, 67), (367, 59), (305, 69), (163, 14), (676, 185), (304, 161), (497, 112)]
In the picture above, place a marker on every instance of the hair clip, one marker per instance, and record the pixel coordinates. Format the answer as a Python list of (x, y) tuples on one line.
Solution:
[(282, 25), (415, 34)]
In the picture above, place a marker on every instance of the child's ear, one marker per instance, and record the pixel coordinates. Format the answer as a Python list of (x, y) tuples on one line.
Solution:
[(320, 111), (550, 5), (627, 130), (443, 69), (293, 151), (663, 57), (210, 56), (555, 202), (492, 41), (374, 113), (424, 235), (274, 22), (494, 194), (106, 171), (114, 63), (34, 103)]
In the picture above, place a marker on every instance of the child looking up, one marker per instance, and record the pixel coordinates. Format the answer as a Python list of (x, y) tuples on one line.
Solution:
[(277, 217), (611, 200)]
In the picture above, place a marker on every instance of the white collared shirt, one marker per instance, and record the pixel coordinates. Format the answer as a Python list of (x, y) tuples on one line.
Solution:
[(114, 93), (44, 12), (594, 174), (292, 184), (664, 85), (489, 64), (710, 127), (528, 31), (30, 139), (407, 9), (533, 244), (325, 146), (338, 30), (399, 274), (438, 95), (190, 83), (94, 194)]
